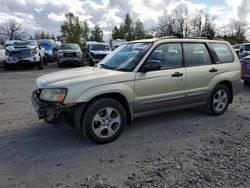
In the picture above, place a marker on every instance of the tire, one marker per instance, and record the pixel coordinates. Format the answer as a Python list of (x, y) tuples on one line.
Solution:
[(6, 67), (246, 82), (40, 64), (59, 65), (99, 125), (219, 100), (45, 61)]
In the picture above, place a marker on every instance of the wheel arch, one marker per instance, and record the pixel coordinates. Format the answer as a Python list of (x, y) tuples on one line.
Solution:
[(229, 85), (80, 108)]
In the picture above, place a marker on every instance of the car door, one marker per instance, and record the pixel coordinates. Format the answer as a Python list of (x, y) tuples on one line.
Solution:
[(155, 90), (201, 69)]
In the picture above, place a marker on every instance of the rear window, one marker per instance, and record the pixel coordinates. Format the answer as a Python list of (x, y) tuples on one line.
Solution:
[(223, 52), (247, 47)]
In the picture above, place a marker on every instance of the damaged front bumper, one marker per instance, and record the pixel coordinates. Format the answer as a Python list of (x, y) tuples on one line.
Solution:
[(16, 59), (51, 112)]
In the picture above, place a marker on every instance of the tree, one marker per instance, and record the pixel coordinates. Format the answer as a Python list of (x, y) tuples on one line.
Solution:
[(42, 34), (96, 34), (71, 28), (128, 28), (85, 33), (139, 31), (118, 32), (10, 30), (187, 24)]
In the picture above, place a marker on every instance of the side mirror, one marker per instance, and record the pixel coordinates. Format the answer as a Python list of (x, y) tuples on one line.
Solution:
[(151, 65), (241, 50), (39, 46)]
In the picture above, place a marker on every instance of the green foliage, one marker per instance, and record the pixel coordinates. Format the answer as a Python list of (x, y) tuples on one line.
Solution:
[(72, 29), (96, 34), (129, 30)]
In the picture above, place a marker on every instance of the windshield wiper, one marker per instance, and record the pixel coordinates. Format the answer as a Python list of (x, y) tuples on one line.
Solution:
[(107, 67)]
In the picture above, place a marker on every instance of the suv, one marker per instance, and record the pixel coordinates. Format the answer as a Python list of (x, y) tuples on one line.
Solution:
[(69, 53), (97, 52), (138, 78), (24, 53)]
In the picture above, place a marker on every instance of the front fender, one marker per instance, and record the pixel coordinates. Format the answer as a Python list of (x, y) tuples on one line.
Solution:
[(127, 90)]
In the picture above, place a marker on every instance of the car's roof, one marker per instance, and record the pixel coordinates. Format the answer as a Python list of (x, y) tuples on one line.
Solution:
[(176, 39), (69, 44)]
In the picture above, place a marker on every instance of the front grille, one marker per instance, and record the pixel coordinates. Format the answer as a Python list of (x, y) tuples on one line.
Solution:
[(21, 54), (69, 54)]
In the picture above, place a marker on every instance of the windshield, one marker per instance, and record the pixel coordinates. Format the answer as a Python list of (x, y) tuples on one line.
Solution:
[(247, 47), (25, 43), (126, 57), (69, 47), (46, 45), (99, 47)]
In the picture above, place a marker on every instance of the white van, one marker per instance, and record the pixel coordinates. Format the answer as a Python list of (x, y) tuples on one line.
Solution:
[(244, 50)]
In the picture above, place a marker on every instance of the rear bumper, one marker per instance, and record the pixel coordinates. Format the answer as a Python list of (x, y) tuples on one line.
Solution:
[(49, 111), (237, 87), (70, 60)]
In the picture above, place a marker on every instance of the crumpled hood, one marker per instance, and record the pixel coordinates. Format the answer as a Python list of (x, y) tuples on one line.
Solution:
[(13, 48), (84, 77)]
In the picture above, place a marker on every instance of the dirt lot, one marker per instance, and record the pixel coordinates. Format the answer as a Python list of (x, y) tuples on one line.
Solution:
[(181, 149)]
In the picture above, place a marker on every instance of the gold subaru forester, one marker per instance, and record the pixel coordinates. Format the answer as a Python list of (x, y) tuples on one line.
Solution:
[(138, 78)]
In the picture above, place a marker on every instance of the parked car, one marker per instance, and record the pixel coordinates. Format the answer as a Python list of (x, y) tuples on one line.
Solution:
[(24, 53), (70, 53), (237, 49), (116, 43), (2, 54), (140, 78), (245, 63), (244, 50), (50, 49), (97, 52), (87, 47)]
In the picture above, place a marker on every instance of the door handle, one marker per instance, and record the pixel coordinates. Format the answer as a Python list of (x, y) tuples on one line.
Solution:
[(213, 70), (177, 74)]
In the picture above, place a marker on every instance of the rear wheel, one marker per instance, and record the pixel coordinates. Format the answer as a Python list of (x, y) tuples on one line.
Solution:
[(219, 100), (103, 120), (246, 82)]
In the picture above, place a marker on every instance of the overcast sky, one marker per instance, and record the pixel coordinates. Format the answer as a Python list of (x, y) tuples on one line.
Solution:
[(49, 14)]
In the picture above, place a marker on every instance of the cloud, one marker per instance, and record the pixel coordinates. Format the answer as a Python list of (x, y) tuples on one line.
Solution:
[(49, 14)]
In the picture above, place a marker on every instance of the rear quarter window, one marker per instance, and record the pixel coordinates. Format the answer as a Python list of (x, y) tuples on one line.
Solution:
[(223, 52)]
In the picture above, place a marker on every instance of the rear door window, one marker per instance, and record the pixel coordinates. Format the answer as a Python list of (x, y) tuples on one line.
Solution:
[(223, 52), (196, 54)]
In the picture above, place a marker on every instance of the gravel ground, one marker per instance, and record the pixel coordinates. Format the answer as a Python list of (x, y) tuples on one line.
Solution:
[(188, 148)]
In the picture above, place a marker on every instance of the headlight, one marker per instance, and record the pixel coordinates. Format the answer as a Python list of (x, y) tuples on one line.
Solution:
[(35, 51), (60, 54), (54, 95), (79, 54)]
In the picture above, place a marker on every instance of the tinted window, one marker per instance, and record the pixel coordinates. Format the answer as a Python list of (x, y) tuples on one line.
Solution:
[(170, 55), (223, 52), (247, 47), (99, 47), (69, 47), (196, 54)]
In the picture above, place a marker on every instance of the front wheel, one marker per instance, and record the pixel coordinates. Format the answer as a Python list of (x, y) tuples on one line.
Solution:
[(40, 64), (219, 100), (104, 120)]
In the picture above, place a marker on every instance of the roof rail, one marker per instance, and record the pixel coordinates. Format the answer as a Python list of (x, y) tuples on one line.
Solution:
[(189, 37)]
